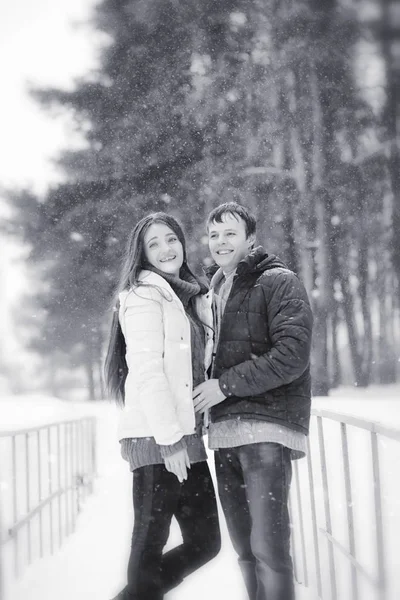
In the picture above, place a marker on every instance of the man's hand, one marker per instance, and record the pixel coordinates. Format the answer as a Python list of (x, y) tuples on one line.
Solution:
[(178, 464), (206, 395)]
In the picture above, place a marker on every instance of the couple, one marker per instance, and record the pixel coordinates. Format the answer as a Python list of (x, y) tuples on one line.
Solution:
[(232, 358)]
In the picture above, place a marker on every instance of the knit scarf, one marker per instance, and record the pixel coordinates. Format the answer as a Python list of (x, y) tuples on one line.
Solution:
[(185, 285)]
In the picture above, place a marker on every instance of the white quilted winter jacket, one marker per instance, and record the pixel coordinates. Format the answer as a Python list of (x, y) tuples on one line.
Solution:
[(158, 388)]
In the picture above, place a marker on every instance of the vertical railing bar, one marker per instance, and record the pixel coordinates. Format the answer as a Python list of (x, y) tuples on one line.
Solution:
[(28, 499), (82, 459), (94, 453), (293, 541), (95, 448), (314, 520), (90, 451), (380, 549), (79, 469), (40, 497), (66, 506), (68, 473), (73, 479), (301, 524), (328, 520), (50, 487), (349, 508), (87, 454), (2, 566), (60, 534), (15, 502), (76, 468)]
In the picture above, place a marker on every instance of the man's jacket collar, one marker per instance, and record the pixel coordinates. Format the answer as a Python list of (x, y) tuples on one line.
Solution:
[(257, 261)]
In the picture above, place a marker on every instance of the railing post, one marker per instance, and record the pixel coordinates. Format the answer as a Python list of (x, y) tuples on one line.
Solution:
[(327, 507), (28, 496), (15, 505), (301, 523), (50, 488), (293, 539), (380, 549), (66, 482), (349, 508), (40, 496), (72, 439), (93, 450), (314, 519), (95, 446), (80, 465), (2, 541), (60, 535), (65, 444)]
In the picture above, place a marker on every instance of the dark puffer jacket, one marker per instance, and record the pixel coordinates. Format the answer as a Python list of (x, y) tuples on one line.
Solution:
[(263, 356)]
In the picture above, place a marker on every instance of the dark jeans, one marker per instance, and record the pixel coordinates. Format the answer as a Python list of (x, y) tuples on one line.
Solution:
[(253, 485), (157, 497)]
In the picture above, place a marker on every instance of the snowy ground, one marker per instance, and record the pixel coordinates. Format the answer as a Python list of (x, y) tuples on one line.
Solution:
[(91, 563), (380, 404)]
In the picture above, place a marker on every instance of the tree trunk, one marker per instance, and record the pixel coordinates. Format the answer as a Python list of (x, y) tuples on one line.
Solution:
[(321, 301), (391, 115), (348, 309), (52, 380), (366, 313), (291, 195), (305, 236), (390, 43), (323, 293), (100, 363), (336, 370), (90, 366)]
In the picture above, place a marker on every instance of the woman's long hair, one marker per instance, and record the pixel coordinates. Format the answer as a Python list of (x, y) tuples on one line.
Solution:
[(116, 368)]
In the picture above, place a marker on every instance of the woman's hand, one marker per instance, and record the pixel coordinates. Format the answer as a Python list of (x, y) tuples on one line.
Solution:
[(178, 464)]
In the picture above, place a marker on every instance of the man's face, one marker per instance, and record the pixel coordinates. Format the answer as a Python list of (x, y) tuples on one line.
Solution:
[(228, 242)]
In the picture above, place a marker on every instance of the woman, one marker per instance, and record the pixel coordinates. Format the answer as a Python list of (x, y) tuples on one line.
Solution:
[(160, 348)]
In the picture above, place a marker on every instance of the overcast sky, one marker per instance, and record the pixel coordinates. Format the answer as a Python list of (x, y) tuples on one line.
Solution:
[(47, 42), (42, 42)]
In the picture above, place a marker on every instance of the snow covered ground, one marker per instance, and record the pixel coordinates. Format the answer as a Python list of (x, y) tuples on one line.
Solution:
[(92, 561), (380, 404), (91, 564)]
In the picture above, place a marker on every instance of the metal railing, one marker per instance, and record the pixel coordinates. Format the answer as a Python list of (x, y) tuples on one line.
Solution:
[(45, 474), (315, 505)]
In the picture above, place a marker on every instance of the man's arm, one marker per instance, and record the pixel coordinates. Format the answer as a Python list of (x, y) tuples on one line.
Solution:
[(290, 327)]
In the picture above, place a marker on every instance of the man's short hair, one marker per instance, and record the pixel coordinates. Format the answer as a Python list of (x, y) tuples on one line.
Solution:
[(236, 210)]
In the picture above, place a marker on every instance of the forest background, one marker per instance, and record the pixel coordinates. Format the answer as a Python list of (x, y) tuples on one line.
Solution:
[(270, 103)]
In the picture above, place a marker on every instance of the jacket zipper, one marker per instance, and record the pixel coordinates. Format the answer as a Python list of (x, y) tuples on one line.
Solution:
[(214, 354)]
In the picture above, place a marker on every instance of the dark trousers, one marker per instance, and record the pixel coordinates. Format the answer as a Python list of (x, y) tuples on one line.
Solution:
[(157, 497), (253, 485)]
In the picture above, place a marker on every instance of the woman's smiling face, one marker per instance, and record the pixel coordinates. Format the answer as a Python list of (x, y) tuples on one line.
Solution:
[(162, 248)]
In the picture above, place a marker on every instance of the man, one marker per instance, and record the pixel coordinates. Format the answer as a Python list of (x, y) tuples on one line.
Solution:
[(258, 399)]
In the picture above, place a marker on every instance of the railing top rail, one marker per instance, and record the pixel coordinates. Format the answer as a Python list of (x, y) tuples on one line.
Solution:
[(14, 432), (371, 426)]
